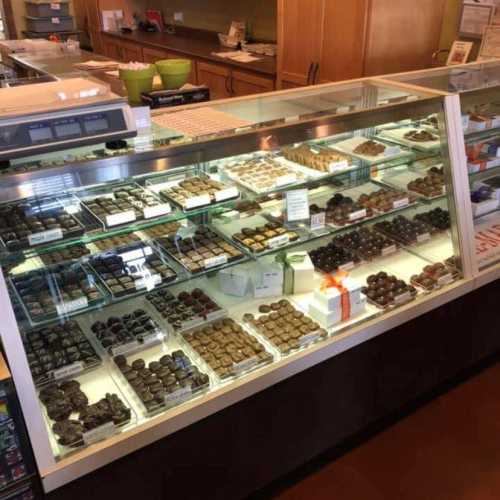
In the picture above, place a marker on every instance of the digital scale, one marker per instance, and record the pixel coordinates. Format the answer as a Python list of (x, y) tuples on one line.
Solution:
[(47, 117)]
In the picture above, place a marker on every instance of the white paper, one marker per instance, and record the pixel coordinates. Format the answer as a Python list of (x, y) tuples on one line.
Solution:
[(68, 371), (245, 365), (219, 260), (389, 250), (284, 180), (142, 116), (404, 202), (55, 20), (318, 221), (178, 397), (278, 241), (71, 306), (45, 237), (157, 210), (125, 348), (403, 298), (421, 238), (197, 201), (338, 165), (360, 214), (445, 280), (226, 194), (148, 282), (297, 205), (309, 338), (347, 267), (55, 6), (121, 218)]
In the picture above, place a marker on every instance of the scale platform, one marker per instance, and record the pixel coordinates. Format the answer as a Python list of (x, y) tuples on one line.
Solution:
[(46, 117)]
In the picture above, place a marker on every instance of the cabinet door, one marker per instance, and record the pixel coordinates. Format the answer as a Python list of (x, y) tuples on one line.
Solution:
[(111, 48), (342, 51), (132, 52), (216, 77), (150, 55), (300, 31), (244, 83)]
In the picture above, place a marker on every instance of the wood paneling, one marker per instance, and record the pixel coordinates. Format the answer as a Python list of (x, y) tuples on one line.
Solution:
[(402, 35), (150, 55), (344, 36), (300, 27), (244, 83)]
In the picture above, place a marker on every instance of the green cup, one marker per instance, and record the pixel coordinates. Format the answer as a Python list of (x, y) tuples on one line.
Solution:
[(174, 72), (138, 81)]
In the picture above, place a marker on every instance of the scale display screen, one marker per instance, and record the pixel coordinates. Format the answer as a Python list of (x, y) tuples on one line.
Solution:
[(96, 123), (68, 128), (40, 132)]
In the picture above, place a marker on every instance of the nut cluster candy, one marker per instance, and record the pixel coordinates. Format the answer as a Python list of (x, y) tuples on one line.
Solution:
[(284, 326), (384, 200), (257, 239), (438, 218), (67, 398), (187, 307), (169, 374), (19, 221), (365, 243), (192, 187), (319, 158), (370, 148), (386, 290), (404, 230), (224, 345), (55, 347), (430, 186)]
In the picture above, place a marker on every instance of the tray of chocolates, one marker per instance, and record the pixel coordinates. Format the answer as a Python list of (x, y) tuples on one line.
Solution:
[(437, 217), (73, 252), (128, 333), (285, 327), (405, 231), (61, 290), (37, 222), (429, 187), (122, 204), (200, 251), (332, 257), (59, 351), (196, 192), (317, 161), (185, 310), (343, 210), (369, 150), (164, 381), (387, 291), (132, 270), (268, 236), (75, 420), (262, 174), (228, 349), (159, 230), (416, 138), (114, 242), (366, 244), (386, 200), (433, 276)]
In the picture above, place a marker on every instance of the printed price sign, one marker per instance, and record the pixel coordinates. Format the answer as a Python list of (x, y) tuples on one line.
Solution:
[(297, 205)]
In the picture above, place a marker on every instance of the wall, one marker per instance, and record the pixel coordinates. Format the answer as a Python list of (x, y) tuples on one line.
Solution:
[(450, 23)]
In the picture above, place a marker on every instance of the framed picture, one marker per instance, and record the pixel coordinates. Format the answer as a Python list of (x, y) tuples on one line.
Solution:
[(475, 17), (490, 46), (459, 52)]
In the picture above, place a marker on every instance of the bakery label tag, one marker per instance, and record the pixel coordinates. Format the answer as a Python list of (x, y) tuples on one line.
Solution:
[(278, 241), (178, 397), (121, 218), (359, 214), (219, 260), (309, 338), (99, 433), (45, 236), (72, 306), (338, 165), (245, 365), (157, 210), (318, 221), (68, 371), (125, 348), (403, 202)]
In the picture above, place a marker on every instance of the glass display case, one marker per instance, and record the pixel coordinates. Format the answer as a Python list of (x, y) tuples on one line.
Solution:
[(477, 85), (149, 286)]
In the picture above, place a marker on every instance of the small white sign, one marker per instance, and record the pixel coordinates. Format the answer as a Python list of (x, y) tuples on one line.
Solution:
[(197, 201), (99, 433), (191, 323), (403, 202), (55, 6), (142, 115), (45, 237), (152, 338), (219, 260), (278, 241), (149, 282), (272, 278), (445, 280), (338, 165), (297, 205), (245, 365), (56, 20), (68, 371), (347, 267), (125, 348), (284, 180), (226, 194), (212, 316), (422, 238), (121, 218), (402, 298), (360, 214), (318, 221), (157, 210), (71, 306), (263, 291), (389, 250), (309, 338), (178, 397)]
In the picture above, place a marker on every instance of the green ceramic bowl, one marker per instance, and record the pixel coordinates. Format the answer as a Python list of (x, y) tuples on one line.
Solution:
[(138, 81), (174, 72)]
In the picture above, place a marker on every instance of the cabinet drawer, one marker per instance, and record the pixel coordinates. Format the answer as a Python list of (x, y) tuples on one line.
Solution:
[(216, 78), (150, 55), (245, 83)]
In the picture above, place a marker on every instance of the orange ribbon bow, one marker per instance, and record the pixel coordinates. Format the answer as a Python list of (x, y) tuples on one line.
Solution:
[(336, 281)]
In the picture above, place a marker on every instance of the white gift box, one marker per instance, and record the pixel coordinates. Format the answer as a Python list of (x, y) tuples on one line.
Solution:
[(235, 281), (328, 318), (330, 298), (299, 276)]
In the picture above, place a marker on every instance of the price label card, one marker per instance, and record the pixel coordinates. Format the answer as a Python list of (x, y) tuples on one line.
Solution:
[(422, 238), (445, 280), (69, 371), (360, 214), (318, 221), (297, 205), (389, 250), (192, 323), (278, 241), (346, 267), (219, 260), (142, 115), (402, 299), (272, 278), (178, 397), (227, 194), (55, 6), (99, 433), (284, 180), (263, 291), (45, 237), (212, 316), (125, 348), (121, 218), (157, 210), (152, 338), (197, 201), (149, 282), (245, 365), (309, 338), (71, 306), (403, 202), (56, 20), (338, 165)]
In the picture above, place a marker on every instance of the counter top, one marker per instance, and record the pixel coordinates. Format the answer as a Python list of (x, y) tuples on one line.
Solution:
[(197, 48)]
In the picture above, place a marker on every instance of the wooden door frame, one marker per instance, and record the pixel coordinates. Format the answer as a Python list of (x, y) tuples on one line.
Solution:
[(9, 19)]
